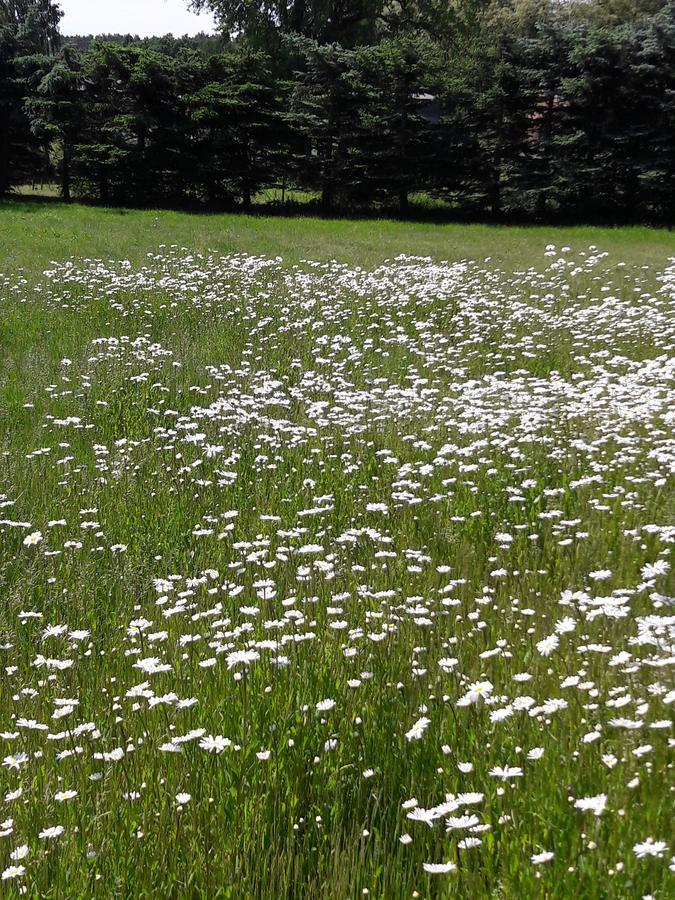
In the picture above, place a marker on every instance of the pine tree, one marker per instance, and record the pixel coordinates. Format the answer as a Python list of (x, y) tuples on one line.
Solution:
[(327, 102), (239, 132), (56, 111), (28, 30), (498, 120), (543, 68), (103, 157), (650, 95), (399, 84)]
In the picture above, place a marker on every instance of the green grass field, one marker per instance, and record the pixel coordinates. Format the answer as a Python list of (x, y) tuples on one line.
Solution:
[(335, 558), (34, 232)]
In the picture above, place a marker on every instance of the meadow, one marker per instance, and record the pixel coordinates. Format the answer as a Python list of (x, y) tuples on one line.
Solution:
[(335, 558)]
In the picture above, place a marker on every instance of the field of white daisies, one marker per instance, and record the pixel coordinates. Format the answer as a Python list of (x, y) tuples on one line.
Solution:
[(320, 581)]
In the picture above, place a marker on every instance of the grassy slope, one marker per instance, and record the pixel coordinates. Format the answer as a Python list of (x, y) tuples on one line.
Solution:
[(33, 233), (251, 850)]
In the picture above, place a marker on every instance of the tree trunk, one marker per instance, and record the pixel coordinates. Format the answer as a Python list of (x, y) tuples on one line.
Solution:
[(403, 202), (495, 197), (403, 94), (297, 17), (547, 135), (211, 189), (4, 156), (246, 193), (65, 172), (246, 180), (495, 186), (142, 174), (326, 197)]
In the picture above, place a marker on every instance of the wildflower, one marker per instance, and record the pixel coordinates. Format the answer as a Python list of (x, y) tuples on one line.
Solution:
[(418, 729), (595, 804), (600, 574), (461, 822), (50, 833), (653, 570), (469, 843), (422, 815), (506, 772), (643, 750), (241, 657), (151, 665), (470, 798), (477, 691), (448, 663), (31, 725), (13, 872), (543, 857), (650, 847), (439, 868), (215, 743), (15, 762), (548, 645)]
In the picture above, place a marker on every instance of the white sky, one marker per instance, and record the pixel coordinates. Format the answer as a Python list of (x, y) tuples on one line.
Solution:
[(142, 17)]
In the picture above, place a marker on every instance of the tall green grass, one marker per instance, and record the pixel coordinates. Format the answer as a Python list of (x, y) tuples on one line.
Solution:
[(395, 424)]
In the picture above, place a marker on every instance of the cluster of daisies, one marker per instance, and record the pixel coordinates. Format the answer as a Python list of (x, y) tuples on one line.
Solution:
[(400, 533)]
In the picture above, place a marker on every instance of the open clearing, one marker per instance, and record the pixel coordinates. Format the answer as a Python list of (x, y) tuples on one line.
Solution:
[(335, 558)]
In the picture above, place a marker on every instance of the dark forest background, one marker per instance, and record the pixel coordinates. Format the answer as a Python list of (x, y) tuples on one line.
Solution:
[(507, 109)]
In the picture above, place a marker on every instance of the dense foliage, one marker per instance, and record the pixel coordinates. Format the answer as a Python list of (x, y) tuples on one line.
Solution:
[(513, 111)]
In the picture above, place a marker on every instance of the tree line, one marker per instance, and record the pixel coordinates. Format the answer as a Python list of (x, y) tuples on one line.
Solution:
[(509, 110)]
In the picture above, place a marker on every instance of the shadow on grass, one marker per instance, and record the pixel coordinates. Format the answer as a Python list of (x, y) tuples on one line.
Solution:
[(433, 213)]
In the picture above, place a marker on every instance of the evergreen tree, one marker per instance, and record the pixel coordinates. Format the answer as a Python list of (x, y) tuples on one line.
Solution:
[(399, 81), (235, 117), (654, 66), (498, 121), (37, 18), (28, 29), (239, 128), (56, 111), (543, 70), (525, 107), (102, 156), (327, 101), (146, 119)]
